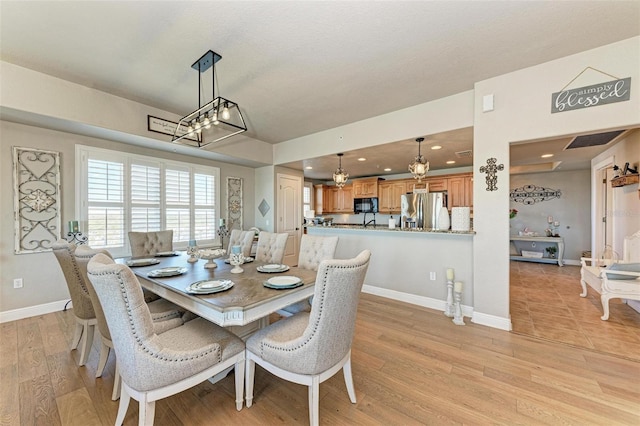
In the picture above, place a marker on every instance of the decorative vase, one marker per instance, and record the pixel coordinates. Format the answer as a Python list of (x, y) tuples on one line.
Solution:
[(443, 219), (236, 259)]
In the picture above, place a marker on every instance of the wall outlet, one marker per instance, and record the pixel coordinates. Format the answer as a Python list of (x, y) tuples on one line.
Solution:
[(17, 283), (432, 276)]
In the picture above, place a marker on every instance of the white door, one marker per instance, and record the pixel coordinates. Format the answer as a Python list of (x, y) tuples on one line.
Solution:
[(289, 214)]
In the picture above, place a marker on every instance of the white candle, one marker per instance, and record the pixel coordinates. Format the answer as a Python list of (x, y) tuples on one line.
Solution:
[(550, 219), (457, 287), (221, 222), (235, 249), (450, 274)]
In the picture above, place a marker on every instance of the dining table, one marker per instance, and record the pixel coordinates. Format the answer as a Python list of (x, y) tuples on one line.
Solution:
[(244, 307)]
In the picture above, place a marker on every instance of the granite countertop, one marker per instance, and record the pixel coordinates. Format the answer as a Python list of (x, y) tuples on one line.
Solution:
[(386, 228)]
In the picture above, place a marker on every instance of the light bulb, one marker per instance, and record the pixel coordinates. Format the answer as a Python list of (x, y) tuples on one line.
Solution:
[(198, 127), (214, 119), (206, 122), (225, 112)]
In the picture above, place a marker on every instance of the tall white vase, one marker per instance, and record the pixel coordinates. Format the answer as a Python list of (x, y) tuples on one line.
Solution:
[(443, 219)]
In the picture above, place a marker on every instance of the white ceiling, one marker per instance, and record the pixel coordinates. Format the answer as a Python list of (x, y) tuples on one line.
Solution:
[(298, 67)]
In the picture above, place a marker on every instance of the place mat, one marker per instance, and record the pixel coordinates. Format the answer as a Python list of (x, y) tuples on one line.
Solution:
[(167, 253), (143, 262), (272, 268), (246, 260), (283, 282), (209, 286), (169, 271)]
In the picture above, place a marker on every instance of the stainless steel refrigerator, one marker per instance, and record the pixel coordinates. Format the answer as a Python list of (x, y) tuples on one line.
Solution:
[(420, 210)]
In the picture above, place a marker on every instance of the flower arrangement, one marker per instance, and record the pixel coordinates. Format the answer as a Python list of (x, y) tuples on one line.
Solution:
[(512, 213)]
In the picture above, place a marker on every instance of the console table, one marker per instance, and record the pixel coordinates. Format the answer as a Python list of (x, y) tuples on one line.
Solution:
[(558, 241)]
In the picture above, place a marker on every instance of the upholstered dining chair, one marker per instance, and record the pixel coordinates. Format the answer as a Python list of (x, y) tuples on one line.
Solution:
[(244, 239), (271, 247), (153, 366), (83, 312), (313, 250), (165, 315), (150, 243), (309, 348)]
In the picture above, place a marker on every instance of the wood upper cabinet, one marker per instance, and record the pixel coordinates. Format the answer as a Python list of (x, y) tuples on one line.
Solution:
[(411, 184), (365, 188), (337, 200), (460, 191), (318, 198), (437, 184), (389, 194)]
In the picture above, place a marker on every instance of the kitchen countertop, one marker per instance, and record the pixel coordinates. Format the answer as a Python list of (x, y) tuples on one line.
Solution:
[(369, 228)]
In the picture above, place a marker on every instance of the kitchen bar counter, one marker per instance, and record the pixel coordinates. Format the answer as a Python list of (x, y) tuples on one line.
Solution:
[(385, 228)]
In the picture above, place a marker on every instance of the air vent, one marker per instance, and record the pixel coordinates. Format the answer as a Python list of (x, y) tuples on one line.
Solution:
[(464, 154), (593, 140)]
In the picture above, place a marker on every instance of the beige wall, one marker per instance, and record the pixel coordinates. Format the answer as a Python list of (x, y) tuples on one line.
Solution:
[(43, 280)]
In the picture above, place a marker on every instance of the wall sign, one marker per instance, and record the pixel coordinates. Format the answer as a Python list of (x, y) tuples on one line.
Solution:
[(609, 92), (531, 194), (166, 127)]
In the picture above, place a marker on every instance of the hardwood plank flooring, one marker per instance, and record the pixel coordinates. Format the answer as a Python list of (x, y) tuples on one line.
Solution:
[(546, 303), (411, 366)]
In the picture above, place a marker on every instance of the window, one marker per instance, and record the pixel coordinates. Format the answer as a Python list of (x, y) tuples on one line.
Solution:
[(120, 192), (306, 198)]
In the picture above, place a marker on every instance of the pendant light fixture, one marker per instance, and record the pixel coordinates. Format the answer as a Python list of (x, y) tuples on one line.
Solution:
[(420, 166), (340, 176), (214, 121)]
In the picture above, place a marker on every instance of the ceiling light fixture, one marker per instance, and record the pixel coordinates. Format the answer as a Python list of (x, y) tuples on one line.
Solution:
[(362, 159), (436, 147), (420, 166), (451, 162), (340, 176), (546, 155), (214, 121)]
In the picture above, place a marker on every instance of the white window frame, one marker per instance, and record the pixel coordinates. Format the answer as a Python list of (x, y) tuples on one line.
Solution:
[(82, 155)]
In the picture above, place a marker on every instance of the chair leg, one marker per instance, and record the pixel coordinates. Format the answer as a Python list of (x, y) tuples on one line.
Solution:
[(605, 306), (104, 355), (77, 334), (87, 341), (314, 401), (124, 405), (348, 380), (584, 288), (250, 366), (117, 384), (239, 378), (147, 411)]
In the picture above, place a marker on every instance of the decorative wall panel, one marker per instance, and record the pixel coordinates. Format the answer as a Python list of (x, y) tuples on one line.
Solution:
[(234, 203), (36, 199)]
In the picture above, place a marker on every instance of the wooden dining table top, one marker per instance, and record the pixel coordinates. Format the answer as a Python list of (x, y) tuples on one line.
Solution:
[(246, 301)]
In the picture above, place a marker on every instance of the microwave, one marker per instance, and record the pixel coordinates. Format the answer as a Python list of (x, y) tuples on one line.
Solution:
[(365, 205)]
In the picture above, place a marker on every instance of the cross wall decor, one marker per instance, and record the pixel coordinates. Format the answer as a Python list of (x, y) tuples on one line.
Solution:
[(490, 169)]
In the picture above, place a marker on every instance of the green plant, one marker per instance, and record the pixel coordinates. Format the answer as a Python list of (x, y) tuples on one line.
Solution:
[(551, 250)]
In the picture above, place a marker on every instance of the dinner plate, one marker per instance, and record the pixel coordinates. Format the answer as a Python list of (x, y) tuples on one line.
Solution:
[(143, 262), (167, 253), (246, 260), (283, 282), (169, 271), (272, 268), (209, 286)]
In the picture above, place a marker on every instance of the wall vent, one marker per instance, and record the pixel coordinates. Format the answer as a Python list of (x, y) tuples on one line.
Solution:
[(464, 154), (593, 140)]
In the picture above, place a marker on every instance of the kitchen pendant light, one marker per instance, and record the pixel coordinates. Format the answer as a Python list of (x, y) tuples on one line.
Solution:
[(420, 166), (214, 121), (340, 176)]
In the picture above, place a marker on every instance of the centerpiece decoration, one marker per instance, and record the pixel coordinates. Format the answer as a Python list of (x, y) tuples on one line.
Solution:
[(210, 255)]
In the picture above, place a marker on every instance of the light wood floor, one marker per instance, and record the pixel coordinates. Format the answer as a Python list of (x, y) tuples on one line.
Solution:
[(411, 366), (546, 303)]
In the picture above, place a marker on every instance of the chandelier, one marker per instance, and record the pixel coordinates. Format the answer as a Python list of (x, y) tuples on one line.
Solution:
[(340, 176), (420, 166), (214, 121)]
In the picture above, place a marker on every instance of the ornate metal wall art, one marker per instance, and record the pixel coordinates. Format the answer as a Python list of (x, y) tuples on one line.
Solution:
[(36, 199), (531, 194), (491, 170), (234, 203)]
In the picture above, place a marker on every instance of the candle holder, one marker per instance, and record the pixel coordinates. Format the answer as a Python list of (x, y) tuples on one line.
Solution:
[(457, 310), (194, 254), (236, 259), (448, 309), (223, 232)]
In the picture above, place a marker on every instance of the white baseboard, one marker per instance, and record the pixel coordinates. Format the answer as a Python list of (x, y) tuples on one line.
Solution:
[(425, 302), (33, 311), (491, 321)]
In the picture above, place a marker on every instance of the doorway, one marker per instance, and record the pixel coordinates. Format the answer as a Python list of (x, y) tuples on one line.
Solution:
[(289, 201)]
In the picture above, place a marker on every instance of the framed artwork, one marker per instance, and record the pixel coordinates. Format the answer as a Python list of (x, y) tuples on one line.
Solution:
[(36, 199), (234, 203)]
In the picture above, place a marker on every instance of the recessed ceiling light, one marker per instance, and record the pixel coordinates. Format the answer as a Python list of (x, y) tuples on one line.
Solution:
[(362, 159), (308, 168), (546, 155), (387, 169), (436, 147), (451, 162)]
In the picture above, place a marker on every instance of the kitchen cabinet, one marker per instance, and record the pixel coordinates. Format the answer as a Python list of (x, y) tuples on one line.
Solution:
[(318, 198), (338, 200), (460, 190), (437, 184), (411, 184), (389, 194), (365, 188)]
